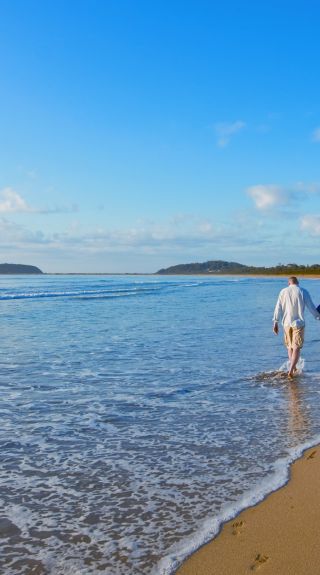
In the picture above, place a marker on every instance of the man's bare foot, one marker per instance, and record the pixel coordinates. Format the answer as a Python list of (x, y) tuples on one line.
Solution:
[(293, 372)]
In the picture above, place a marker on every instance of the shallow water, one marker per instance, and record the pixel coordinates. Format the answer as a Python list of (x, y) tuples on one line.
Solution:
[(137, 413)]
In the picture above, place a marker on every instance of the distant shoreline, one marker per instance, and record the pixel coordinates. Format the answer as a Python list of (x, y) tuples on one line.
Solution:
[(222, 267), (315, 276), (244, 275)]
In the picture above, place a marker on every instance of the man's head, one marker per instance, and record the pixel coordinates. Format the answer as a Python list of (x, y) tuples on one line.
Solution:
[(293, 281)]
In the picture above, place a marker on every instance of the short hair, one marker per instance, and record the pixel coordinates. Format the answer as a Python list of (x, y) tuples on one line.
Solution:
[(293, 280)]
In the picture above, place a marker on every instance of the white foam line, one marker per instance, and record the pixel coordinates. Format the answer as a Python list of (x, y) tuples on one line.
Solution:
[(211, 526)]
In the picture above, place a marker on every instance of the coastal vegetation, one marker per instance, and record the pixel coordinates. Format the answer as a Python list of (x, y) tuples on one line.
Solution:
[(220, 267), (19, 269)]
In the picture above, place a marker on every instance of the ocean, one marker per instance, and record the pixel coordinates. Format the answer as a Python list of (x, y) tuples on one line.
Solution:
[(140, 412)]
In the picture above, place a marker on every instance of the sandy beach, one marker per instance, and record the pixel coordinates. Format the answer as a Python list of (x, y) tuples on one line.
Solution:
[(279, 536)]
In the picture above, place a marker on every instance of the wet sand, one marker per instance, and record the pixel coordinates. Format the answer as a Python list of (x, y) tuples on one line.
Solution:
[(279, 536)]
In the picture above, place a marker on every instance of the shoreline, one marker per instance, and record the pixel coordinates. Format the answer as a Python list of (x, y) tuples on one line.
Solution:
[(306, 276), (150, 274), (276, 535)]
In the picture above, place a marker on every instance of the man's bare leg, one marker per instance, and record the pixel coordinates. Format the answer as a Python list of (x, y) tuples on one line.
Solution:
[(295, 354), (290, 352)]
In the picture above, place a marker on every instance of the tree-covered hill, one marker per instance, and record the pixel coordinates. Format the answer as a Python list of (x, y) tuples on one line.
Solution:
[(220, 267), (19, 269)]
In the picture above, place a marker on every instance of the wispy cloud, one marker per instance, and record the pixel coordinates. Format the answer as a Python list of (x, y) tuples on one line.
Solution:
[(19, 236), (189, 238), (315, 137), (226, 130), (270, 196), (11, 202), (305, 188), (311, 224), (194, 235), (32, 174), (266, 197), (62, 209)]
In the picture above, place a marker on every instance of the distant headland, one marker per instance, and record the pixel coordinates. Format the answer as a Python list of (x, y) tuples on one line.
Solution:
[(19, 269), (220, 267)]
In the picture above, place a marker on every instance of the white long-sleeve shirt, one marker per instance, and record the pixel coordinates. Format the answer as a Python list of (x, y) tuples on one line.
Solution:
[(291, 304)]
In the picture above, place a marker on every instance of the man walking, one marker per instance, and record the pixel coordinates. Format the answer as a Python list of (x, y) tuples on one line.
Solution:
[(290, 307)]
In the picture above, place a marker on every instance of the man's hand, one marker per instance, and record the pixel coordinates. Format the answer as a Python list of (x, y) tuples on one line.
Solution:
[(275, 328)]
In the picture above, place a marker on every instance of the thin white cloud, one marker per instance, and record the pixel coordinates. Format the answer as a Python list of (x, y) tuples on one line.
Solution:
[(12, 202), (190, 223), (225, 131), (270, 196), (15, 235), (157, 242), (306, 188), (152, 239), (206, 228), (266, 197), (32, 174), (311, 224), (148, 245), (58, 209), (316, 135)]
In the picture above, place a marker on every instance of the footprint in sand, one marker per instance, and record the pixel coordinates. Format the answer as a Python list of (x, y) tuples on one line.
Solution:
[(259, 560), (237, 527), (311, 456)]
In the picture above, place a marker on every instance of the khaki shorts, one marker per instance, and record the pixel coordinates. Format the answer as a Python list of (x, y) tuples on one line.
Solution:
[(294, 337)]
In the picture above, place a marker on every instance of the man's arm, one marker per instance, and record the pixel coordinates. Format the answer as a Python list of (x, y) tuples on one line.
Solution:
[(310, 305), (277, 314)]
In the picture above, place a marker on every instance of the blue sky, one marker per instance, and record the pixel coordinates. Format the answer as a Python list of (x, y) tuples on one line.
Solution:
[(137, 135)]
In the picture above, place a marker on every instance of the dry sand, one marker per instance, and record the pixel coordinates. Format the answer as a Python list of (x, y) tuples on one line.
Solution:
[(279, 536)]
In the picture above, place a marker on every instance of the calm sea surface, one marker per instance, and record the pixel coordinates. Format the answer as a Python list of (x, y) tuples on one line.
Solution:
[(139, 412)]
